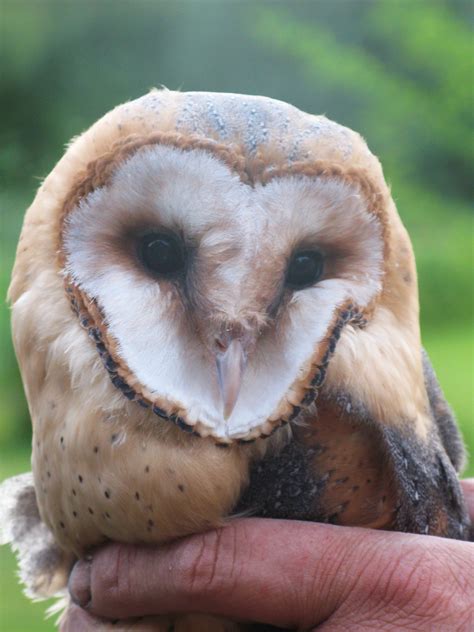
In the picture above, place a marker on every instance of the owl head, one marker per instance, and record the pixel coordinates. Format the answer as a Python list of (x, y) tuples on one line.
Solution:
[(226, 257)]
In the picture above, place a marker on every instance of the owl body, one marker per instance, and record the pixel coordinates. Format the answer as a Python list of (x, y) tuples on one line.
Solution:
[(215, 310)]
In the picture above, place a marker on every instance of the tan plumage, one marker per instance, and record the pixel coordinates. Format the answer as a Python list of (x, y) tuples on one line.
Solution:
[(262, 179)]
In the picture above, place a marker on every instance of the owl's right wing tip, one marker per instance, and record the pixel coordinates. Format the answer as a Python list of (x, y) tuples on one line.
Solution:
[(43, 566)]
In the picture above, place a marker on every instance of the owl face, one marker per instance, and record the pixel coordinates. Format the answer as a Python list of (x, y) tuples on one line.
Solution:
[(216, 291)]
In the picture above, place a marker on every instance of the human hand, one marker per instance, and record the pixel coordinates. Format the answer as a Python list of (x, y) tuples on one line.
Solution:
[(290, 574)]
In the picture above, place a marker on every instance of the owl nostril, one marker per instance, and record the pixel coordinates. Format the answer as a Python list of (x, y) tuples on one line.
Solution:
[(228, 333), (221, 345)]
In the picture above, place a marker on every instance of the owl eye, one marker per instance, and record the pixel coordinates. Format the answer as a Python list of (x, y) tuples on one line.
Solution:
[(305, 268), (161, 253)]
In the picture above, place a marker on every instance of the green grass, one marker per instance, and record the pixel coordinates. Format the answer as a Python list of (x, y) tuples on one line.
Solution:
[(17, 612), (452, 355)]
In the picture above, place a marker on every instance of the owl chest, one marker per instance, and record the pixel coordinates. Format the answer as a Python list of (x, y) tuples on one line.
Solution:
[(98, 481)]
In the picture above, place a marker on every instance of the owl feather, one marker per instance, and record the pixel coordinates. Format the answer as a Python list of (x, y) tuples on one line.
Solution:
[(215, 311)]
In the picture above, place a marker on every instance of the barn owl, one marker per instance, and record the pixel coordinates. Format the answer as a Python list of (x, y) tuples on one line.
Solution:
[(215, 310)]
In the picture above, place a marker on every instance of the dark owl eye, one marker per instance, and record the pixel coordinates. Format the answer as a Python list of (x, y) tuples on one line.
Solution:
[(305, 268), (161, 253)]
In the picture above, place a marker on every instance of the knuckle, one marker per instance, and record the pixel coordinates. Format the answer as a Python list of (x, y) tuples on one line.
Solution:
[(422, 582), (406, 584), (207, 565), (111, 579), (76, 619)]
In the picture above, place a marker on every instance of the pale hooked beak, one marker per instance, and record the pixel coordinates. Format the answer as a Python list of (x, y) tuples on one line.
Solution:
[(230, 364)]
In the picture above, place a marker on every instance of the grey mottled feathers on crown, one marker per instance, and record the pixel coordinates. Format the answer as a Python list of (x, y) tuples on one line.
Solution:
[(257, 120)]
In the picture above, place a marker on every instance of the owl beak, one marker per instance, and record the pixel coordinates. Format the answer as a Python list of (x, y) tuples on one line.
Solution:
[(230, 364)]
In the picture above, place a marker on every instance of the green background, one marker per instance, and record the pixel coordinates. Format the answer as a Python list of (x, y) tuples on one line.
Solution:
[(398, 71)]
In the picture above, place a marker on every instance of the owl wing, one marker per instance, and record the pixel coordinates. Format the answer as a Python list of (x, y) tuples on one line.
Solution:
[(44, 567), (443, 417), (341, 466)]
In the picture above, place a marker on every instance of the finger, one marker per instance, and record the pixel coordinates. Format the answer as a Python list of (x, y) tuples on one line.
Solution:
[(468, 490), (78, 620), (287, 574)]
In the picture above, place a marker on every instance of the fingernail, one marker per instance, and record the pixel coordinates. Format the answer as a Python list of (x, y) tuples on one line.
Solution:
[(80, 582)]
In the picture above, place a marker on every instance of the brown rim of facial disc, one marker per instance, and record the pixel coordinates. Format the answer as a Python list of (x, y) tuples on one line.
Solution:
[(303, 391)]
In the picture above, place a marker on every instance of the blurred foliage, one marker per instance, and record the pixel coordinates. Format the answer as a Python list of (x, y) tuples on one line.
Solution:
[(398, 71)]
